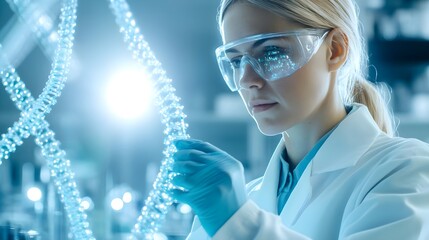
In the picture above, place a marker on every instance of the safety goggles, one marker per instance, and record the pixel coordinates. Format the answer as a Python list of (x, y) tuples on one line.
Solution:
[(272, 55)]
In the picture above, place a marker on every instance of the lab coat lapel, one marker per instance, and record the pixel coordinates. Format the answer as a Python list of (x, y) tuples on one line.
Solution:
[(344, 147), (347, 143), (265, 194), (298, 200)]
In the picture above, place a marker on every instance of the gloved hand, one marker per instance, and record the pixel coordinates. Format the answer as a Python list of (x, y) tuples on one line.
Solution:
[(212, 180)]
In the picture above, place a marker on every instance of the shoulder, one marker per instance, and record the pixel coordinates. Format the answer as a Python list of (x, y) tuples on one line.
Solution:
[(396, 161), (392, 166), (396, 148)]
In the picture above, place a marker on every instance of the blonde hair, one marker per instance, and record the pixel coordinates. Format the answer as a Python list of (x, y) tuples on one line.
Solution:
[(342, 14)]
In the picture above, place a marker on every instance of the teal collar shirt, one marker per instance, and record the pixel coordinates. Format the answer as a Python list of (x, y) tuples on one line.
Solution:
[(288, 178)]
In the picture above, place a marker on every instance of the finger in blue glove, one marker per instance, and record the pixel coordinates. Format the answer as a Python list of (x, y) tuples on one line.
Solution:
[(209, 180)]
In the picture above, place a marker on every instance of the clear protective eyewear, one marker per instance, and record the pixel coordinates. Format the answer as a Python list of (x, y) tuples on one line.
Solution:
[(271, 55)]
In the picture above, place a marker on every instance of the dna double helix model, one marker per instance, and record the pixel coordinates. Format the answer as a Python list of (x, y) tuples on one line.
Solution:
[(34, 110)]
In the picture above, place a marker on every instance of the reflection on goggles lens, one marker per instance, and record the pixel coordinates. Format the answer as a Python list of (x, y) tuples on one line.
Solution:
[(272, 56), (271, 64), (276, 59)]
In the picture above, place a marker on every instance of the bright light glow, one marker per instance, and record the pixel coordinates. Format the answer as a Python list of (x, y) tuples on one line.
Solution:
[(159, 236), (117, 204), (184, 208), (127, 197), (87, 203), (32, 233), (34, 194), (45, 22), (53, 37), (129, 94)]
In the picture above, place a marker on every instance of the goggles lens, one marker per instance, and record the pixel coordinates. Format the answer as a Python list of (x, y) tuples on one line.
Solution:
[(272, 56)]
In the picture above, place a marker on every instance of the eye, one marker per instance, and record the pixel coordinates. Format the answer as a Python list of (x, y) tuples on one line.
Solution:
[(235, 62)]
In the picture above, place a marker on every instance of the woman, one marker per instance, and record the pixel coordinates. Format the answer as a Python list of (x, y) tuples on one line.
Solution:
[(338, 172)]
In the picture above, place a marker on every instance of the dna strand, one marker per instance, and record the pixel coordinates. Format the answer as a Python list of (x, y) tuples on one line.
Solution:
[(32, 119), (172, 116), (33, 112)]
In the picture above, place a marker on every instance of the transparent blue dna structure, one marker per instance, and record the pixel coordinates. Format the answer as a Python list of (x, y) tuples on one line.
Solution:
[(172, 116), (32, 121), (58, 76), (34, 15)]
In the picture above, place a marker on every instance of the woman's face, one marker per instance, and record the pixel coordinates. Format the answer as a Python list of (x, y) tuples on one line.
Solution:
[(281, 104)]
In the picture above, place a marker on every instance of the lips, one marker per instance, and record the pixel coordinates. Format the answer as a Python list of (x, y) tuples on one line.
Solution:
[(260, 105)]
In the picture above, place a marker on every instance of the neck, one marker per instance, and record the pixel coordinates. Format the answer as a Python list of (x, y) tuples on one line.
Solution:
[(301, 138)]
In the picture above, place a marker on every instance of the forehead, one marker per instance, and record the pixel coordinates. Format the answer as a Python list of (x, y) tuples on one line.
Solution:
[(243, 20)]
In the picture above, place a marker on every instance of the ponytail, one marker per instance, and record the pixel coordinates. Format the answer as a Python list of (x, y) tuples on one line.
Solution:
[(375, 98)]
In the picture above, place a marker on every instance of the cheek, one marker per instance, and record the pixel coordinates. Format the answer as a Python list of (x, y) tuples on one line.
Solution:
[(244, 98), (306, 87)]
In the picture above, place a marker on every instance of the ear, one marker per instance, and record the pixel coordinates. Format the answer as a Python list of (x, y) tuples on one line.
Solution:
[(338, 48)]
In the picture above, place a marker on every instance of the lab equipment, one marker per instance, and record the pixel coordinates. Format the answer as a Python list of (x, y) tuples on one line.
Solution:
[(12, 232), (271, 55)]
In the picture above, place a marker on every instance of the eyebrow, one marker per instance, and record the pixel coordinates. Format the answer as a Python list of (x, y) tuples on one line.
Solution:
[(255, 44)]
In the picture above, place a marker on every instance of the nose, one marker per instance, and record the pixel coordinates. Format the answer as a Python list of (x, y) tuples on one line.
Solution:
[(250, 78)]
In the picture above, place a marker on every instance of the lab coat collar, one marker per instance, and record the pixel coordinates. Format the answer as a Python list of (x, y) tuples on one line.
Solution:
[(265, 194), (347, 143)]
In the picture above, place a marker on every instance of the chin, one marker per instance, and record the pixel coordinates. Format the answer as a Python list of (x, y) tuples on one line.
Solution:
[(270, 130), (270, 126)]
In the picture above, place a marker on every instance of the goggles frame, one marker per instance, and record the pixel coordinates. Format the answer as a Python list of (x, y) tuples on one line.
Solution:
[(249, 59)]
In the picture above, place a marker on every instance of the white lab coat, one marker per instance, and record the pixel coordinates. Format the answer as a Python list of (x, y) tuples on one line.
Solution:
[(361, 184)]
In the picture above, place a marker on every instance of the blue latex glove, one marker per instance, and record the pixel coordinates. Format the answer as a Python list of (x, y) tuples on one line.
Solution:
[(213, 182)]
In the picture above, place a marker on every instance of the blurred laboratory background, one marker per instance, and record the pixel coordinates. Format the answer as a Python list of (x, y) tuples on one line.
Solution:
[(111, 130)]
